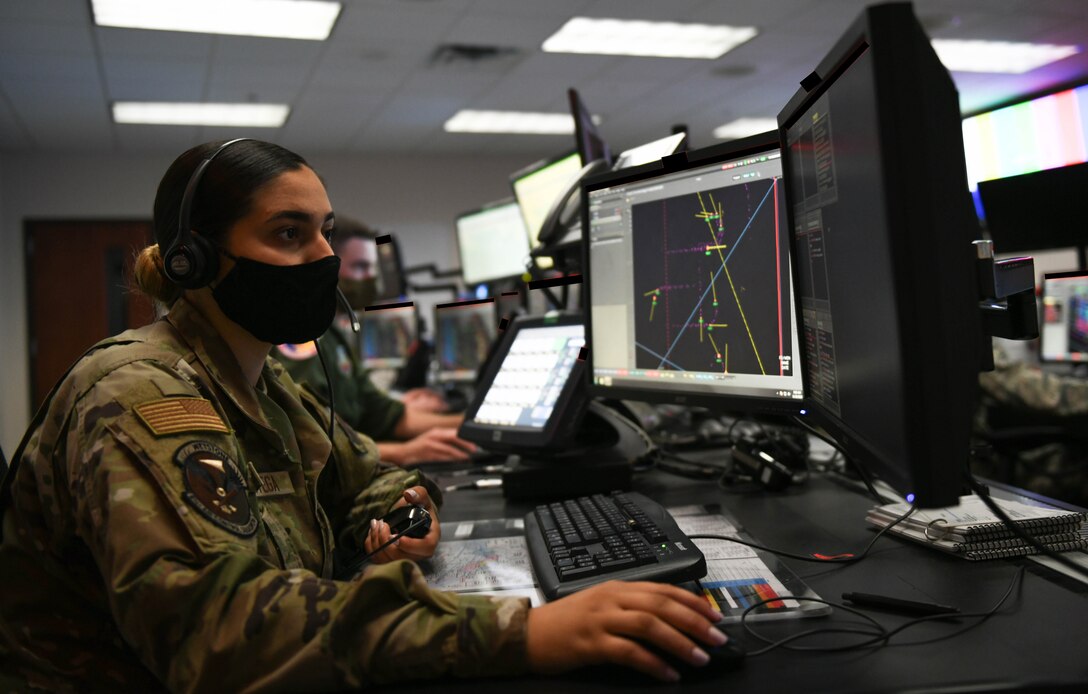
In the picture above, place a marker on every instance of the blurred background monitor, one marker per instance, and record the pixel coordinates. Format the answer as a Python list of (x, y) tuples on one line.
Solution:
[(688, 281), (538, 186), (464, 332), (591, 144), (492, 242), (388, 335), (882, 250), (1038, 210), (392, 283), (1064, 331)]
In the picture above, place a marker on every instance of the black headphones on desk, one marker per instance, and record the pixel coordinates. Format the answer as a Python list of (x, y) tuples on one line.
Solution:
[(771, 458), (191, 262)]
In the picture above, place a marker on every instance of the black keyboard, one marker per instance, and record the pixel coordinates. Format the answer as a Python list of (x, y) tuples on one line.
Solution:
[(580, 542)]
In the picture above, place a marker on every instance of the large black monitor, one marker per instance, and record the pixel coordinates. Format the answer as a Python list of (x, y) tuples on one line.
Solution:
[(529, 395), (493, 242), (1064, 333), (881, 227), (388, 332), (591, 144), (463, 333), (688, 281)]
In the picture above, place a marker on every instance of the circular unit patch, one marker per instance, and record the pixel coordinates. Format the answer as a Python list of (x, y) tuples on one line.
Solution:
[(215, 488)]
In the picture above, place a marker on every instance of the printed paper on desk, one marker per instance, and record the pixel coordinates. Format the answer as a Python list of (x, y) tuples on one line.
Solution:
[(491, 564), (714, 525)]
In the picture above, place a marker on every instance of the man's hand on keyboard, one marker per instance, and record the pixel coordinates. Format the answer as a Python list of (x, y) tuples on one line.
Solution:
[(440, 443), (406, 547), (605, 623)]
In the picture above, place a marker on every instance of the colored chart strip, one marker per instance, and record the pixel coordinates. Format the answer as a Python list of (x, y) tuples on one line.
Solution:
[(743, 593)]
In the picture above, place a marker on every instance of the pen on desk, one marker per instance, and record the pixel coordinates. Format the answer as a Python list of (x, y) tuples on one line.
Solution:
[(486, 483), (898, 604)]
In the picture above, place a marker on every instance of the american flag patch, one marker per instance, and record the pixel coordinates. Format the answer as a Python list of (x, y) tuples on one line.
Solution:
[(176, 415)]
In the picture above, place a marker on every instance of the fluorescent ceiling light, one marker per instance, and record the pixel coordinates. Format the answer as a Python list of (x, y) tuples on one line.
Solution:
[(169, 113), (656, 39), (289, 19), (743, 127), (998, 56), (523, 122)]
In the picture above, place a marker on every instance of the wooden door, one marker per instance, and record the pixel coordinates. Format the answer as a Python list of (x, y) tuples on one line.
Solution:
[(79, 279)]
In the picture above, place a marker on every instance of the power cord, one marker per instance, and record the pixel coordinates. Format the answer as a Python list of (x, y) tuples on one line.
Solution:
[(841, 558)]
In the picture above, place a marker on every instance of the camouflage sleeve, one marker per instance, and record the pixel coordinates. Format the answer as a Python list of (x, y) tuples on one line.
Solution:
[(379, 412), (1016, 384), (206, 611)]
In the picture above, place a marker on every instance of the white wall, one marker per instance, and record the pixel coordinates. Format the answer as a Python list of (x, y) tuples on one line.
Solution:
[(414, 199)]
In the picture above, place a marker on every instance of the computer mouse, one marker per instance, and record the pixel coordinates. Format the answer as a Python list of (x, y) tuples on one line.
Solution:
[(729, 656), (412, 520)]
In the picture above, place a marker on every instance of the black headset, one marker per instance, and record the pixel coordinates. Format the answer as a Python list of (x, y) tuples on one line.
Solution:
[(191, 262)]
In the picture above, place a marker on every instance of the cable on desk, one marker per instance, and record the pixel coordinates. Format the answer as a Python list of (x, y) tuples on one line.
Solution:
[(841, 558), (880, 636), (862, 472)]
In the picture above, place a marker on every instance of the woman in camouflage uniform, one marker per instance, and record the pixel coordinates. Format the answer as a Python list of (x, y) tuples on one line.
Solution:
[(177, 513)]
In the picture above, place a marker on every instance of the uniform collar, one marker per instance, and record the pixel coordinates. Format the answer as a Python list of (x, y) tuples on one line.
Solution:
[(215, 355)]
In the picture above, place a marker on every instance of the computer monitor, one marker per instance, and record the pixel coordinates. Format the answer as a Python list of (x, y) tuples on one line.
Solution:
[(538, 186), (493, 242), (882, 227), (1038, 211), (1064, 334), (688, 281), (392, 283), (388, 332), (530, 395), (591, 144), (464, 332)]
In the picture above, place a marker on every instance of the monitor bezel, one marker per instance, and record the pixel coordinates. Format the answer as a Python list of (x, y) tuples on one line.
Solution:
[(510, 200), (565, 415), (681, 161)]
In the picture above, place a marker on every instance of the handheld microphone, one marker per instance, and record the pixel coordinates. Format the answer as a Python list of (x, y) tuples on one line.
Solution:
[(355, 327)]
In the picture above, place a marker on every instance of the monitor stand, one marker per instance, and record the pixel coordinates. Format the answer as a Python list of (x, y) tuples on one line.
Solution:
[(598, 460)]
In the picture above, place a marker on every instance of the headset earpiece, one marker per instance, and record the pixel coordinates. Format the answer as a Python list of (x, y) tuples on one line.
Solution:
[(191, 262), (191, 265)]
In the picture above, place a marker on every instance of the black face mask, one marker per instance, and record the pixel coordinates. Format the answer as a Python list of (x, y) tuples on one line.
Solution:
[(280, 303)]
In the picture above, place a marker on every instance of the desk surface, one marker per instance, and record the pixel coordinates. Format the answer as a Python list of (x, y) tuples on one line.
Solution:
[(1036, 641)]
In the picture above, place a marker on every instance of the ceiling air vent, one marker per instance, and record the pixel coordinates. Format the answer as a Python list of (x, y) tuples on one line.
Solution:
[(472, 56)]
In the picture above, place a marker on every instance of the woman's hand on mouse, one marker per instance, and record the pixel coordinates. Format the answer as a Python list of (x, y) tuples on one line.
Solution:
[(605, 623), (406, 547)]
